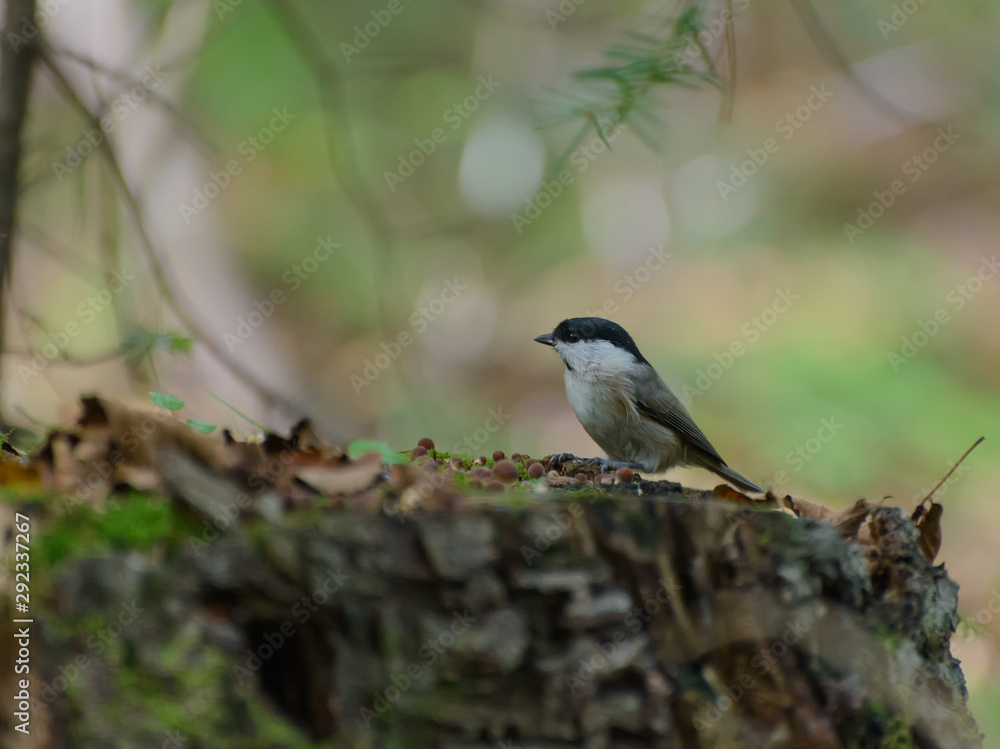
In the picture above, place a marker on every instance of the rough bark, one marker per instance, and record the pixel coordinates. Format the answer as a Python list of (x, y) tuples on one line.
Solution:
[(569, 620)]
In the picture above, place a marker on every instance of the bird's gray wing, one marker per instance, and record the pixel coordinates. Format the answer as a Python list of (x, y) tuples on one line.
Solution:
[(655, 401)]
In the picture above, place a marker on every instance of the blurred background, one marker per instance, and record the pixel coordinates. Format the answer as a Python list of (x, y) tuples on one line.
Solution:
[(364, 212)]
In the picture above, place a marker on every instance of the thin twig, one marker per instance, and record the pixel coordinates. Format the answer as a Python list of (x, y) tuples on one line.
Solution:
[(17, 58), (164, 284), (939, 483), (58, 252), (198, 136), (728, 99), (64, 357), (341, 148), (829, 48), (342, 152)]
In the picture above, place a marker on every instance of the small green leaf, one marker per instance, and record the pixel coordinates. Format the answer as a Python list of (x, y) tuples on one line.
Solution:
[(169, 402), (361, 447), (201, 426), (178, 343)]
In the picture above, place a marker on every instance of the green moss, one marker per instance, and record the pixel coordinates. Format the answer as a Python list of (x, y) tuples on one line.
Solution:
[(19, 497), (133, 521), (884, 730), (272, 730), (199, 697), (892, 638)]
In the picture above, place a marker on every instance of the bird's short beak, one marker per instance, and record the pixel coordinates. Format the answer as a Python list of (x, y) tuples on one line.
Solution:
[(546, 339)]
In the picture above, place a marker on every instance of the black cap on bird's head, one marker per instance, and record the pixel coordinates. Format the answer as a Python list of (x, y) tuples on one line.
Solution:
[(578, 329)]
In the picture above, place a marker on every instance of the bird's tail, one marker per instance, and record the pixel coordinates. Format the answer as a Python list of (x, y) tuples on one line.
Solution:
[(734, 478)]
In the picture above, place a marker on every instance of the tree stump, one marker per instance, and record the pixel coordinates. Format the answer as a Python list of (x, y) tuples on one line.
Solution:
[(642, 616)]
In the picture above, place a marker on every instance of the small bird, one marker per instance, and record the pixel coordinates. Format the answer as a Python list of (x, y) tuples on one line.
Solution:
[(624, 404)]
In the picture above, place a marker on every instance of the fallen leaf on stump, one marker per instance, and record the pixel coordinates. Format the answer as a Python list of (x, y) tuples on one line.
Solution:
[(729, 494), (849, 521), (805, 509), (928, 522), (346, 479)]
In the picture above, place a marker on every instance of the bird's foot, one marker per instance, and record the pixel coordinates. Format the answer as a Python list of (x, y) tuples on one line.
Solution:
[(558, 461), (567, 463)]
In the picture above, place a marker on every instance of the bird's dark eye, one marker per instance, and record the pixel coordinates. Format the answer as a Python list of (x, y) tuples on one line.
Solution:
[(572, 338)]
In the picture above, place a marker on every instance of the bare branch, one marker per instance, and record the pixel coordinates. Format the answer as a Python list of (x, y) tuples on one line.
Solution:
[(342, 151), (197, 136), (164, 283), (828, 47), (17, 57)]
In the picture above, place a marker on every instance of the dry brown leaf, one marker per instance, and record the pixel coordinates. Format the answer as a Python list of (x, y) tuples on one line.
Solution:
[(64, 472), (14, 473), (304, 437), (729, 494), (805, 509), (346, 479), (849, 521), (93, 412), (142, 436), (929, 525), (245, 456), (143, 479)]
